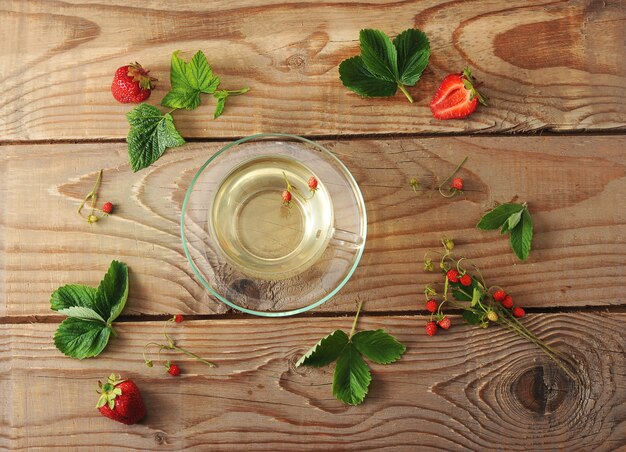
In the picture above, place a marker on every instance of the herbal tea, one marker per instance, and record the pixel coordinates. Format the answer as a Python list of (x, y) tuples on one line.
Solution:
[(259, 234)]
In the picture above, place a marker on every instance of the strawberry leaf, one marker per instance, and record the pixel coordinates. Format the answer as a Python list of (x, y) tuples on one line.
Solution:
[(188, 81), (413, 53), (81, 338), (73, 295), (352, 376), (355, 76), (80, 312), (113, 291), (325, 351), (495, 218), (522, 235), (150, 134), (471, 317), (378, 346), (379, 55)]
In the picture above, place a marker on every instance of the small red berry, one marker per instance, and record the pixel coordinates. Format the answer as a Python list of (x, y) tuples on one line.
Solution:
[(499, 295), (286, 196), (453, 276), (518, 312), (466, 280), (457, 183), (507, 302), (132, 83), (431, 328), (107, 207), (178, 318), (173, 370), (312, 183), (445, 323), (432, 305)]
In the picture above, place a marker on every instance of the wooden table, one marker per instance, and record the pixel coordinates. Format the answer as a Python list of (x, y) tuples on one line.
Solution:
[(554, 135)]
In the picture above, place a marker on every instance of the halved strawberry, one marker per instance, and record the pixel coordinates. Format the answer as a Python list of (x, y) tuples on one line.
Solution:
[(456, 97)]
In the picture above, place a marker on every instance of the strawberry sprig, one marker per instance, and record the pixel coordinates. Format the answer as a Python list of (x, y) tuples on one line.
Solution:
[(482, 305), (92, 196), (291, 190), (170, 367), (446, 190)]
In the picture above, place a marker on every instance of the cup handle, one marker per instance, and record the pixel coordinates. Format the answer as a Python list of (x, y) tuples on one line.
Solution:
[(346, 239)]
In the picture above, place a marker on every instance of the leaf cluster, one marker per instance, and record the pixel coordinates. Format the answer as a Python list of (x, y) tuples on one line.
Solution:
[(512, 218)]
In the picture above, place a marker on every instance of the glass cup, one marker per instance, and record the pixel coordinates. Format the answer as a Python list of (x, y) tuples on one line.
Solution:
[(259, 254)]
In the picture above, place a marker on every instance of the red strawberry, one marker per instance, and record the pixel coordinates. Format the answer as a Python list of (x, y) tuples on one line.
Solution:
[(312, 183), (431, 328), (286, 196), (456, 97), (132, 84), (121, 401), (453, 276), (518, 312), (457, 183), (178, 318), (107, 207), (466, 280), (507, 302), (432, 305), (499, 295), (173, 369), (445, 323)]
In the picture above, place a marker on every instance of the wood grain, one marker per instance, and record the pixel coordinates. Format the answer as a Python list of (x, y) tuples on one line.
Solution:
[(575, 187), (468, 389), (545, 64)]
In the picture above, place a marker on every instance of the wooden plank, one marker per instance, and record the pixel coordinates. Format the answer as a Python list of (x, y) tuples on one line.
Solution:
[(575, 187), (467, 389), (545, 65)]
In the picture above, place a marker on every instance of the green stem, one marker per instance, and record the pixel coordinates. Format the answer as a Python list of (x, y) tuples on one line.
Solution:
[(356, 316), (406, 93), (237, 92), (113, 331), (193, 355), (456, 170), (91, 194)]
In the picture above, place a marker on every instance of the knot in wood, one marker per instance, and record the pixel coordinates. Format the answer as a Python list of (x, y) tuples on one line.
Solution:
[(541, 390), (296, 62), (160, 438)]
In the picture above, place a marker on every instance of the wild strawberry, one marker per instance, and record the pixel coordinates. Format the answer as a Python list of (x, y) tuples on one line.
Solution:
[(432, 305), (178, 318), (132, 84), (312, 183), (507, 302), (286, 196), (453, 276), (518, 312), (456, 97), (499, 295), (491, 315), (431, 328), (173, 369), (466, 280), (457, 183), (121, 401), (92, 219), (107, 207), (445, 323)]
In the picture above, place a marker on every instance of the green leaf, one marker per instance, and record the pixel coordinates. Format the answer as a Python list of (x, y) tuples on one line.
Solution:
[(188, 80), (379, 54), (221, 97), (471, 317), (496, 217), (113, 291), (325, 351), (356, 77), (521, 236), (81, 312), (514, 219), (352, 376), (476, 296), (72, 295), (413, 52), (80, 338), (380, 347), (150, 134)]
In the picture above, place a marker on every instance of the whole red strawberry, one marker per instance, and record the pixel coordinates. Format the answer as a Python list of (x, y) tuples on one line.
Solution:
[(431, 328), (456, 97), (518, 312), (457, 183), (178, 318), (453, 276), (499, 295), (312, 183), (132, 84), (173, 370), (445, 323), (286, 196), (107, 207), (466, 280), (507, 302), (432, 305), (121, 401)]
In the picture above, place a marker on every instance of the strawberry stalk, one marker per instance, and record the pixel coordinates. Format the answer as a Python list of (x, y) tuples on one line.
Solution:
[(405, 92)]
